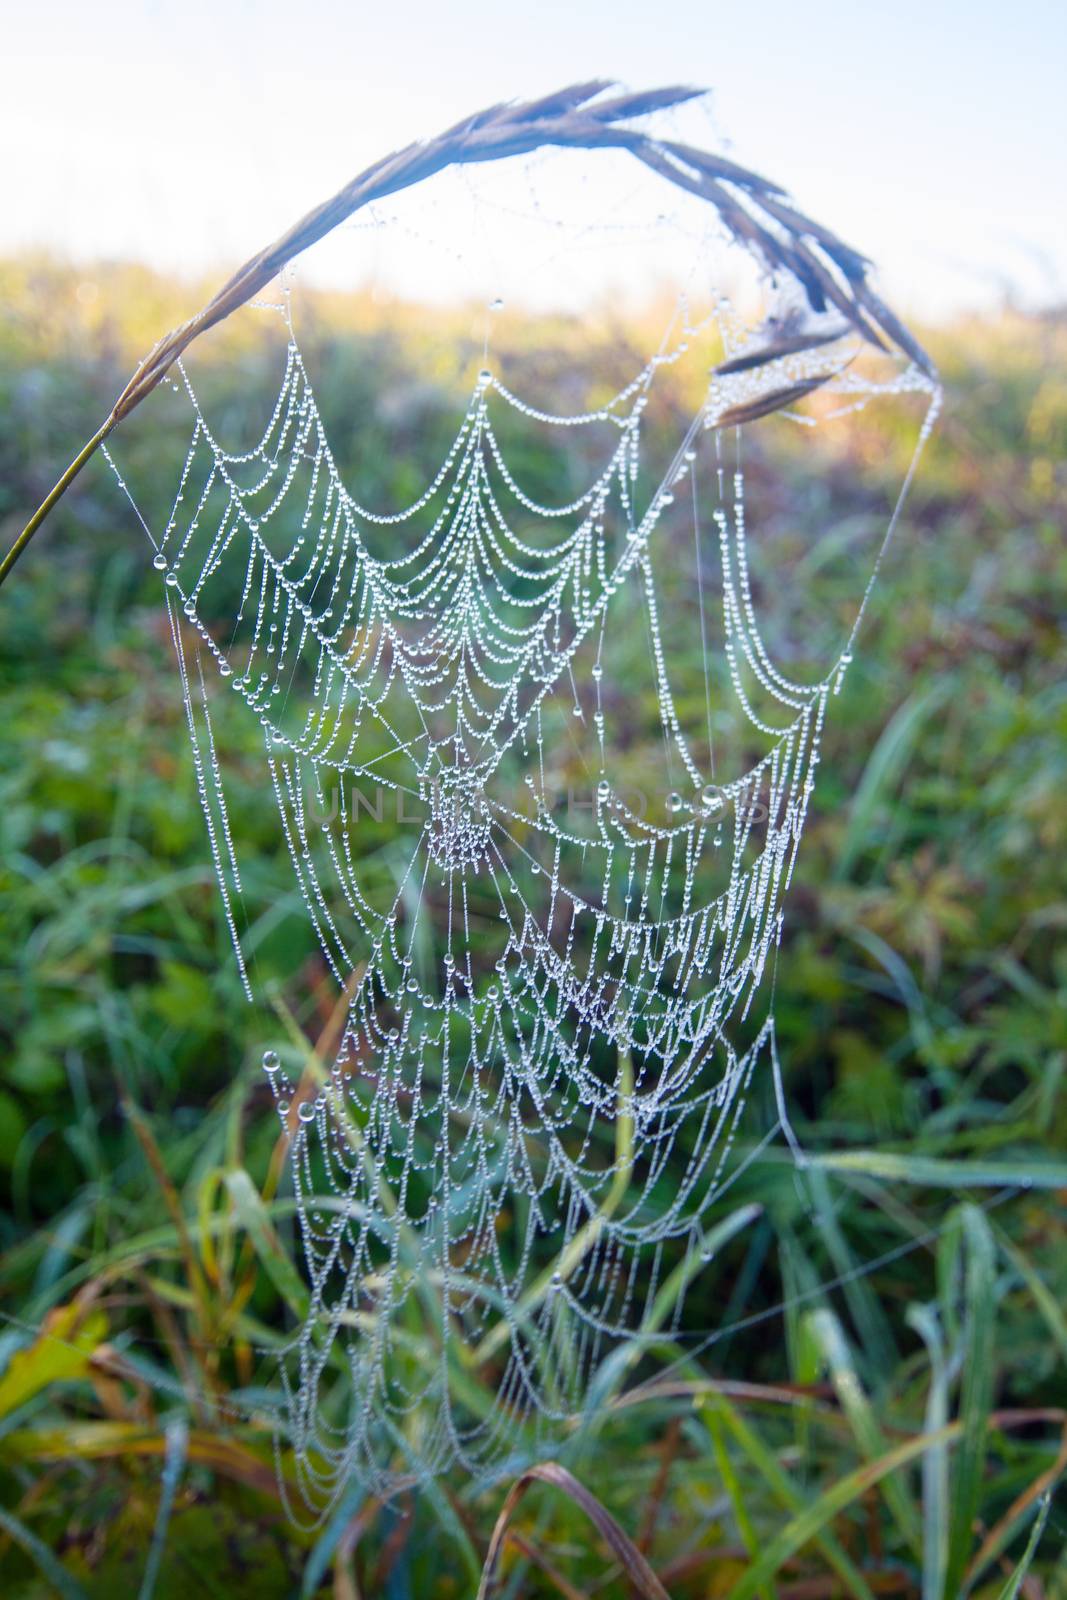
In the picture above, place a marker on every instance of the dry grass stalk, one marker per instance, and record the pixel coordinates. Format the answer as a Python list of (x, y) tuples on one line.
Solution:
[(640, 1576), (579, 117), (789, 344), (777, 400)]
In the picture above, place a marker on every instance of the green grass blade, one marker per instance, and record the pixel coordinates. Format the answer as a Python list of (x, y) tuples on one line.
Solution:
[(810, 1523), (935, 1461), (64, 1582), (934, 1173), (885, 766), (696, 1260), (584, 1239), (868, 1316), (766, 1464), (1044, 1299), (252, 1215), (325, 1548), (65, 1343), (976, 1398), (611, 1374), (732, 1484), (830, 1337), (173, 1464), (432, 1491), (1015, 1582)]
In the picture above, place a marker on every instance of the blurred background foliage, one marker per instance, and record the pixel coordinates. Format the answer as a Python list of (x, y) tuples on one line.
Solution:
[(147, 1250)]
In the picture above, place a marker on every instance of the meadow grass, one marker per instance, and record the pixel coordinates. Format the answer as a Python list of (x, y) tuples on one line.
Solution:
[(883, 1409)]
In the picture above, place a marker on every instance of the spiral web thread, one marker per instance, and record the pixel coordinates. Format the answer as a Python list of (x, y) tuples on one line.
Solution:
[(570, 1097)]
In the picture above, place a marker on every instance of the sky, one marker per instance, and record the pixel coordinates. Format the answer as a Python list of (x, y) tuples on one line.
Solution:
[(930, 133)]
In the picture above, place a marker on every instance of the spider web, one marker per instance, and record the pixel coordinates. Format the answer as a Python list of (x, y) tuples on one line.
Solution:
[(553, 1012)]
